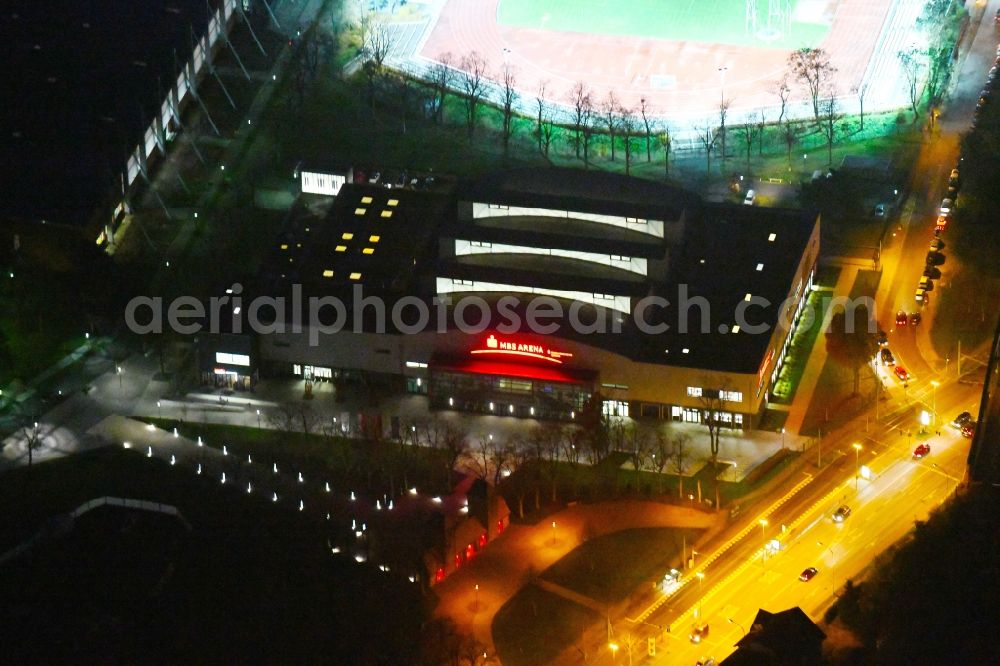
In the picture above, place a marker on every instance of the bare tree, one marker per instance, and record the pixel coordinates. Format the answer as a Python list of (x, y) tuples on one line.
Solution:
[(912, 67), (628, 123), (588, 129), (861, 91), (647, 123), (32, 440), (473, 85), (748, 132), (609, 114), (404, 96), (678, 459), (580, 99), (761, 125), (637, 442), (829, 114), (541, 108), (441, 77), (377, 41), (508, 98), (660, 454), (713, 401), (723, 112), (812, 68), (491, 459), (783, 90), (666, 140), (790, 136), (707, 136)]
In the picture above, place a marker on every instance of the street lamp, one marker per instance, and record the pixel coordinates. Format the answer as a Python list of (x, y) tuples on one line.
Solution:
[(118, 371), (614, 651), (782, 439), (701, 577), (934, 385), (159, 412), (857, 469), (763, 537), (258, 419), (477, 598)]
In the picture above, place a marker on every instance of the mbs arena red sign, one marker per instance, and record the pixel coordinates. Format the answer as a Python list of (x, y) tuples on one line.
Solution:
[(499, 346)]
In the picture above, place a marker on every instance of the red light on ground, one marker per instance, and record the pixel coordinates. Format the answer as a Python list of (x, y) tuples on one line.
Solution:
[(470, 552), (499, 527), (439, 575), (458, 561), (512, 347), (482, 539)]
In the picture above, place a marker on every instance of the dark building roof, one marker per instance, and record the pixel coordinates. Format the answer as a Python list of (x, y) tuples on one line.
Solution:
[(788, 638)]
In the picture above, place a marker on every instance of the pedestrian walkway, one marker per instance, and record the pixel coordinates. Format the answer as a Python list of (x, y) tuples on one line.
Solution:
[(817, 359), (63, 363)]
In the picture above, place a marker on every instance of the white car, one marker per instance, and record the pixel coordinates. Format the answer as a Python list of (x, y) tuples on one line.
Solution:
[(946, 205), (750, 198)]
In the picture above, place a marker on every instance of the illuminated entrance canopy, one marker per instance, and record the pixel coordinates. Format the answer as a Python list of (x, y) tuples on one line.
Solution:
[(512, 347)]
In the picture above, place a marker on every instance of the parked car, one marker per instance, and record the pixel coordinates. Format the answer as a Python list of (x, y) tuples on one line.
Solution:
[(922, 450), (942, 223), (920, 296), (946, 206), (841, 513), (953, 178), (900, 318), (936, 244), (901, 372), (969, 430), (808, 574), (882, 338), (933, 272), (885, 356), (915, 319), (880, 211), (926, 284), (962, 419), (934, 259), (749, 199)]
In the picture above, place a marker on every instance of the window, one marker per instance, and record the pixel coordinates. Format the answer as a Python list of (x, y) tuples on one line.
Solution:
[(747, 297), (328, 273), (360, 211), (731, 396), (771, 237), (374, 239), (232, 359), (368, 250), (415, 364), (386, 213), (393, 202), (366, 200), (760, 267), (738, 418), (620, 387), (355, 276), (618, 257), (498, 207), (480, 244), (347, 235), (340, 248), (296, 369), (604, 297), (635, 220), (464, 283), (284, 246), (694, 391)]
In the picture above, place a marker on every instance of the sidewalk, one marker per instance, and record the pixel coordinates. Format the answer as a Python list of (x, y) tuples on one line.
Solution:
[(48, 373), (814, 366)]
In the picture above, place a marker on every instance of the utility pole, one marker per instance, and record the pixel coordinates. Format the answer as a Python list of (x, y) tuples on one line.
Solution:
[(819, 447)]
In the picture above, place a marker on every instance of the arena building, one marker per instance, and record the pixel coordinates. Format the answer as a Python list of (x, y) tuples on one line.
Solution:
[(567, 289)]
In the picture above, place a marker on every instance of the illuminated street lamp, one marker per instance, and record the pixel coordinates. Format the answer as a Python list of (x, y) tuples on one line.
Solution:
[(477, 598), (258, 419), (857, 468), (701, 577), (614, 651), (934, 385)]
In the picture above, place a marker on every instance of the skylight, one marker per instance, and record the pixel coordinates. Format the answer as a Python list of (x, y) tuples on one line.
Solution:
[(328, 273), (355, 276), (366, 200), (771, 237), (340, 248), (760, 267), (374, 239), (360, 211)]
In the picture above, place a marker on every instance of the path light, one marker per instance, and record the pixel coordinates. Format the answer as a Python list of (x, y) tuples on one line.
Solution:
[(223, 477), (249, 488), (249, 459), (127, 445), (275, 467), (327, 487), (300, 478), (352, 496), (199, 468), (199, 439), (175, 433), (149, 452), (274, 497), (328, 515), (225, 451), (354, 524), (302, 505), (173, 460), (390, 505), (413, 490), (378, 505)]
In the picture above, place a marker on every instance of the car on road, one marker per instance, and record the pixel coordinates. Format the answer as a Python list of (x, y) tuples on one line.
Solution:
[(920, 296), (886, 357), (942, 223), (953, 178), (933, 272), (936, 244), (969, 430), (926, 284), (962, 419), (900, 318), (915, 319), (808, 574), (901, 372), (841, 513), (880, 211), (922, 450), (883, 339), (750, 198), (946, 206), (699, 632)]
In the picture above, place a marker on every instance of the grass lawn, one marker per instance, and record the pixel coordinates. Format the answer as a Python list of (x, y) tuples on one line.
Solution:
[(722, 21), (534, 626), (596, 569)]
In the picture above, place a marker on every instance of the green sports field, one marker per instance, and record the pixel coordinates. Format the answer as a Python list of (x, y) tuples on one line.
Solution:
[(711, 21)]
